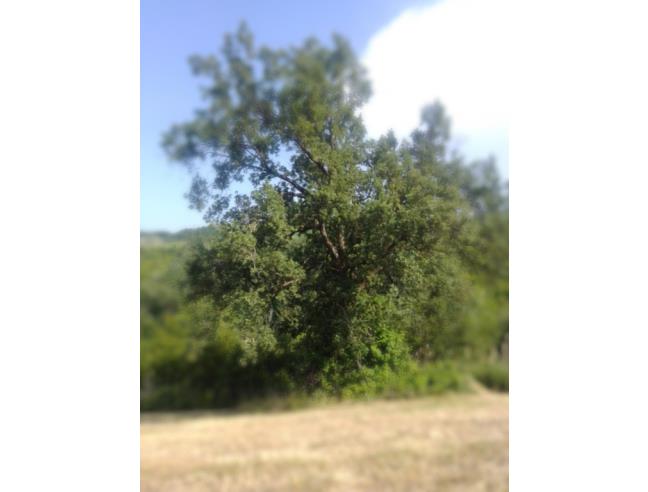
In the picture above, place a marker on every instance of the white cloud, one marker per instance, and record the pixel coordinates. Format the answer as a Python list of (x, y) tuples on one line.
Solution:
[(454, 51)]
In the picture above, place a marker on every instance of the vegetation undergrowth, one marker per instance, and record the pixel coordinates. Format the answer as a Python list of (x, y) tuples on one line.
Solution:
[(493, 375), (411, 380)]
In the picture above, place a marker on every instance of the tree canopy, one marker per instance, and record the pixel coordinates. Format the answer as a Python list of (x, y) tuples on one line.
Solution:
[(351, 254)]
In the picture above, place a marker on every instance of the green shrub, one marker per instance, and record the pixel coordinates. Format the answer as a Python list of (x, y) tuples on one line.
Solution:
[(493, 376), (409, 381)]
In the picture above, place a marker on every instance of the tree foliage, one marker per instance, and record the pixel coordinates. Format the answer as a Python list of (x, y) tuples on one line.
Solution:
[(351, 254)]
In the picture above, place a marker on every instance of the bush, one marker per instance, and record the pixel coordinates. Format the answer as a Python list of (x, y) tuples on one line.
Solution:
[(493, 376), (409, 381)]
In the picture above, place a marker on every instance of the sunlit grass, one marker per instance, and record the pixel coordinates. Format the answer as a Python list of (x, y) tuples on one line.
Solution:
[(455, 442)]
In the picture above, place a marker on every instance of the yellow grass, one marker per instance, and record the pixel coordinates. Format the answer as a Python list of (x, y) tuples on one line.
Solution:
[(451, 443)]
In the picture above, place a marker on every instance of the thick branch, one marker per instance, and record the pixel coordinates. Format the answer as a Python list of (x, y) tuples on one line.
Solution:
[(327, 241), (341, 241)]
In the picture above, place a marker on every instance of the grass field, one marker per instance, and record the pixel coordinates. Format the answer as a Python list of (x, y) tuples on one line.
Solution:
[(449, 443)]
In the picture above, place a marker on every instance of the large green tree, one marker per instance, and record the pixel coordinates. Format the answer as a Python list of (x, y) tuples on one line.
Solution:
[(344, 239)]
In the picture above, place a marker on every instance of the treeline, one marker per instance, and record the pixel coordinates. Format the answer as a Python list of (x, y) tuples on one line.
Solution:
[(356, 266)]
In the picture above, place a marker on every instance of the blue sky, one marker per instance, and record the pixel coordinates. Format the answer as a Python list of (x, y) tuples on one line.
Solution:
[(173, 30)]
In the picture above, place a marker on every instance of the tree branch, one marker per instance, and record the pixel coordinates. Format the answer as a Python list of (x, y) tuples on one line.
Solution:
[(341, 241), (288, 282), (263, 162), (322, 167), (327, 241)]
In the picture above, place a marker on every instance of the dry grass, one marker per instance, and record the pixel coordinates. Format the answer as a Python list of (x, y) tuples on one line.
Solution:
[(451, 443)]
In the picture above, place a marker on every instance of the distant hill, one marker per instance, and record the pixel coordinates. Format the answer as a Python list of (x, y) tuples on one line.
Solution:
[(162, 238)]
